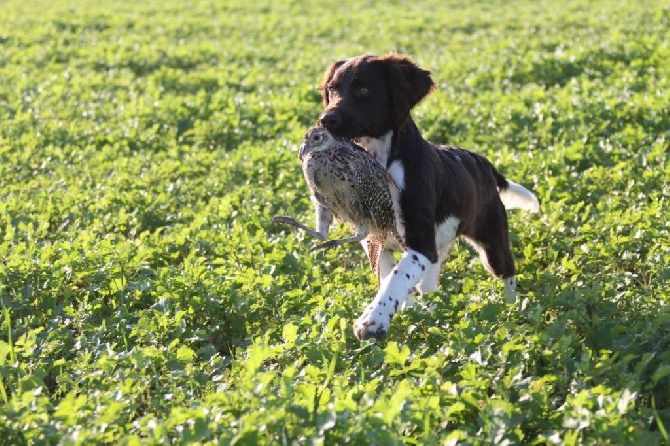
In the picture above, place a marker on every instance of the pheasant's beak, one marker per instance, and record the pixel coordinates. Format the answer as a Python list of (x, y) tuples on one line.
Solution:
[(303, 149)]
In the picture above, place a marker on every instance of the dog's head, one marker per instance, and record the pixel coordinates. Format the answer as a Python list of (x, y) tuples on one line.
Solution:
[(370, 95)]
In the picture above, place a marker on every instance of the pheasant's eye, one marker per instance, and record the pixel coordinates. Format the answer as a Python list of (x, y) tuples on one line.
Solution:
[(316, 138)]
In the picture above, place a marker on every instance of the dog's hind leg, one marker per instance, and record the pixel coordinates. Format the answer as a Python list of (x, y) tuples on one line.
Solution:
[(498, 260), (492, 245), (510, 288)]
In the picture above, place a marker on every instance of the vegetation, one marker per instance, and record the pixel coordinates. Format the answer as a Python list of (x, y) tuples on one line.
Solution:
[(147, 298)]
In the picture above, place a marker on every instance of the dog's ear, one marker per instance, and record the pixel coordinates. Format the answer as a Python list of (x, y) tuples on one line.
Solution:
[(409, 84), (330, 72)]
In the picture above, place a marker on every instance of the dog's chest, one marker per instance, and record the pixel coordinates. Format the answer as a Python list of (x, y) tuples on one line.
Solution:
[(379, 148)]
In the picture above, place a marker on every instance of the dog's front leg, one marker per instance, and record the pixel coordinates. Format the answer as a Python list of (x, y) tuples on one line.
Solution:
[(394, 289), (382, 264)]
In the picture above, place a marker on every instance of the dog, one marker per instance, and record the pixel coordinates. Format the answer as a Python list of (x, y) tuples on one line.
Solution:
[(446, 192)]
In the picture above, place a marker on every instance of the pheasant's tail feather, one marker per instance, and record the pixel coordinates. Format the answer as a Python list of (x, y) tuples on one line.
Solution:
[(374, 252), (399, 239)]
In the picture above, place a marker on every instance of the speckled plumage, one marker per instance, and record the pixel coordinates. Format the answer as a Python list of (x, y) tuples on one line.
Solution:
[(348, 182)]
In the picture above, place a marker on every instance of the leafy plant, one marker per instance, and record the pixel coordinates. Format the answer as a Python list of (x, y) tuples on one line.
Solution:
[(147, 298)]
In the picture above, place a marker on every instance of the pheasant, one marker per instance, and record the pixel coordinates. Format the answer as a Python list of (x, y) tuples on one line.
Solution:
[(345, 181)]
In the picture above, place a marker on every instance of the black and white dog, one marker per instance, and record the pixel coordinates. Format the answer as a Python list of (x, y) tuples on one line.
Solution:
[(446, 192)]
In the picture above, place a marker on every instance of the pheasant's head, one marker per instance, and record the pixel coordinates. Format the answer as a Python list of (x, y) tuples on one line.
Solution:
[(314, 140)]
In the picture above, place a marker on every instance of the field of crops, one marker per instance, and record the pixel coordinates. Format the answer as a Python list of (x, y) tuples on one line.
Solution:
[(145, 297)]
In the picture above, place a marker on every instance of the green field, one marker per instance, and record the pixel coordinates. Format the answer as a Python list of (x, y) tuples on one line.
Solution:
[(146, 298)]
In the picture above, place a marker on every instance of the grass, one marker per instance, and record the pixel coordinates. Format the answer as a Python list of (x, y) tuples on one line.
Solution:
[(146, 298)]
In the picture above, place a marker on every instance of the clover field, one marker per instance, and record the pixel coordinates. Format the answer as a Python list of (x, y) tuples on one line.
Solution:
[(145, 297)]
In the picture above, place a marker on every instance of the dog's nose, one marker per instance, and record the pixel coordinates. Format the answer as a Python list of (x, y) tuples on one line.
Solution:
[(329, 120)]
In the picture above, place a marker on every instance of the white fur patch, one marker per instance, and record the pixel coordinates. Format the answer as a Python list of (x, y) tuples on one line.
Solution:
[(377, 147), (518, 197), (394, 289), (386, 263), (397, 172), (445, 237), (445, 233)]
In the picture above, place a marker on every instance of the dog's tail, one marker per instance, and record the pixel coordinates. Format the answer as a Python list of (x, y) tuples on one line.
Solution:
[(515, 196)]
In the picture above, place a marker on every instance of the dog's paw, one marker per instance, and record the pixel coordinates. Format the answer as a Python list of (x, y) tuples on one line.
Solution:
[(511, 296), (510, 289), (407, 303), (369, 327)]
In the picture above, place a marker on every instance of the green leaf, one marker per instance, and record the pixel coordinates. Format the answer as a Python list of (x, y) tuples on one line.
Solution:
[(661, 372), (290, 334), (5, 351), (395, 355)]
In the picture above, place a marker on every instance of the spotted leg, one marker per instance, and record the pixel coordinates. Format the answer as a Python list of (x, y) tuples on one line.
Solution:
[(394, 289)]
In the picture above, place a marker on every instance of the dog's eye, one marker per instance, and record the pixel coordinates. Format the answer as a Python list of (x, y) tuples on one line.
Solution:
[(362, 91)]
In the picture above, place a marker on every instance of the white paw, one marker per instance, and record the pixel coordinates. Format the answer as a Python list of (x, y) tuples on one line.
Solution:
[(510, 289), (372, 325)]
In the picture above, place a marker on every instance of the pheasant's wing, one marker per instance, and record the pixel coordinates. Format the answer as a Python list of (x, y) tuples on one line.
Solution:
[(372, 186), (320, 171)]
